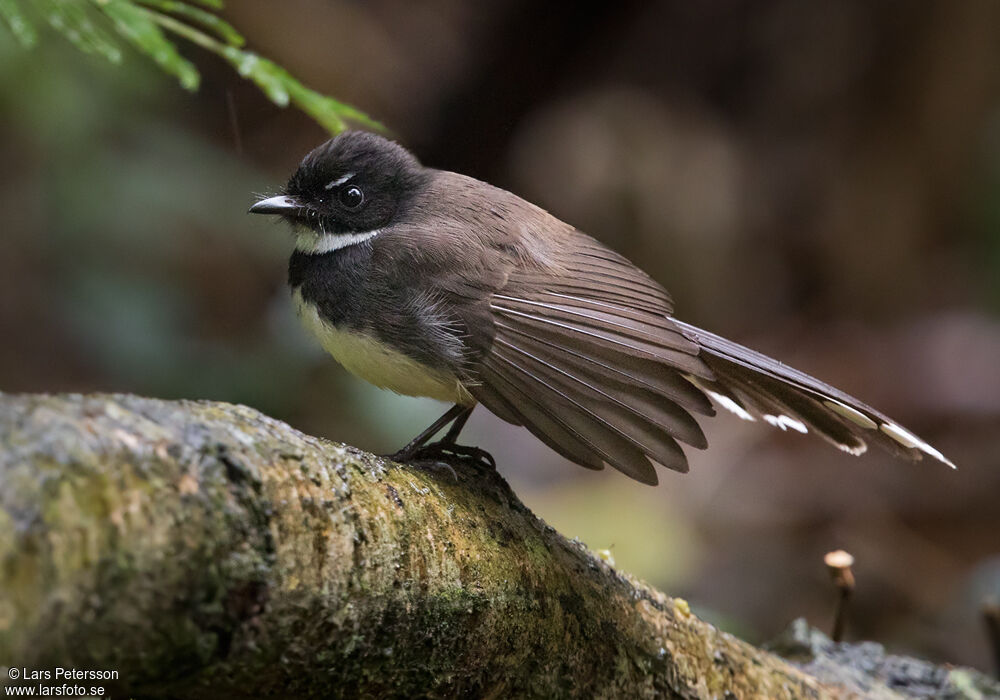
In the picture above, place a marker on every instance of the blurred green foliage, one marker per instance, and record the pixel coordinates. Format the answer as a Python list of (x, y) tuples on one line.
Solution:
[(652, 542), (130, 237), (91, 26)]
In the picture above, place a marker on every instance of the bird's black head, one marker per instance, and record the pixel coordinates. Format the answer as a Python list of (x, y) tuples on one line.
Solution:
[(354, 183)]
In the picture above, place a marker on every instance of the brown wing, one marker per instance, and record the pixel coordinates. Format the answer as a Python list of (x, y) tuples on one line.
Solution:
[(572, 341), (584, 355)]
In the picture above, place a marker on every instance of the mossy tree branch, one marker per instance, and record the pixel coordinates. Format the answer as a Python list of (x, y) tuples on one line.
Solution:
[(206, 550)]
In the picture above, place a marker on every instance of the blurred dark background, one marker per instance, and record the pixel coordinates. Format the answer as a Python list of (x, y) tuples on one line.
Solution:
[(818, 180)]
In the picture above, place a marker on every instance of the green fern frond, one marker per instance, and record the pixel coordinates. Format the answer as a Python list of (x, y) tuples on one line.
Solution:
[(77, 22), (146, 24), (222, 28), (20, 27), (138, 25)]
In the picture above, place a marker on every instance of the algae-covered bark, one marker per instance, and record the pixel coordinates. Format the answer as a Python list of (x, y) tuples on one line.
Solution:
[(206, 550)]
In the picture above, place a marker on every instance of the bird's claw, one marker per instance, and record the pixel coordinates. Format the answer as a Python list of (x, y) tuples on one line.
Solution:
[(439, 452)]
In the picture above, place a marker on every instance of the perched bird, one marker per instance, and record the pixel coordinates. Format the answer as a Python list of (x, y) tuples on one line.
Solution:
[(431, 283)]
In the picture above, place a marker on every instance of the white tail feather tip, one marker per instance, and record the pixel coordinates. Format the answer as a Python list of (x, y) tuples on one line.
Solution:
[(786, 422), (851, 414), (907, 439), (730, 405), (856, 450)]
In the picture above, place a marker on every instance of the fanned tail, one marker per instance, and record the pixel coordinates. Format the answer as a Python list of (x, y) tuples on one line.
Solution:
[(752, 386)]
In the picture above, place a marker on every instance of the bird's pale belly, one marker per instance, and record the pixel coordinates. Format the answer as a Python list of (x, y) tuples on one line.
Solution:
[(377, 363)]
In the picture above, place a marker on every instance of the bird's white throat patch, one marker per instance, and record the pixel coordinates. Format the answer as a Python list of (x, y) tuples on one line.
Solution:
[(377, 363), (315, 244)]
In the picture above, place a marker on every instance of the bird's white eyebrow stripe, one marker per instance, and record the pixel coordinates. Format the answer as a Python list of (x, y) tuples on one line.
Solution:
[(339, 181)]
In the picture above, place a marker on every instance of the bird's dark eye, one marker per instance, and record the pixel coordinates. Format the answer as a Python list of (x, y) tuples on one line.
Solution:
[(352, 197)]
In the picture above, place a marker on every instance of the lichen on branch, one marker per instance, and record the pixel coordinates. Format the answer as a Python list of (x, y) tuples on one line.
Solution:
[(204, 550)]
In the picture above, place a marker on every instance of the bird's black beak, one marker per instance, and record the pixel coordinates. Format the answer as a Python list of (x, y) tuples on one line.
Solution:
[(282, 204)]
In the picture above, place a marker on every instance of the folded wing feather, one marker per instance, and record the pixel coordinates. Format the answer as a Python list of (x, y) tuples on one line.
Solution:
[(569, 339)]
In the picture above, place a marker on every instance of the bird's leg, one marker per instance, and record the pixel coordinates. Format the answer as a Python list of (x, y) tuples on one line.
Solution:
[(451, 437), (418, 449), (453, 414)]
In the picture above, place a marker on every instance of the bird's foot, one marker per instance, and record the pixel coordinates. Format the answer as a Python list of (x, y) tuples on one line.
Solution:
[(444, 452)]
